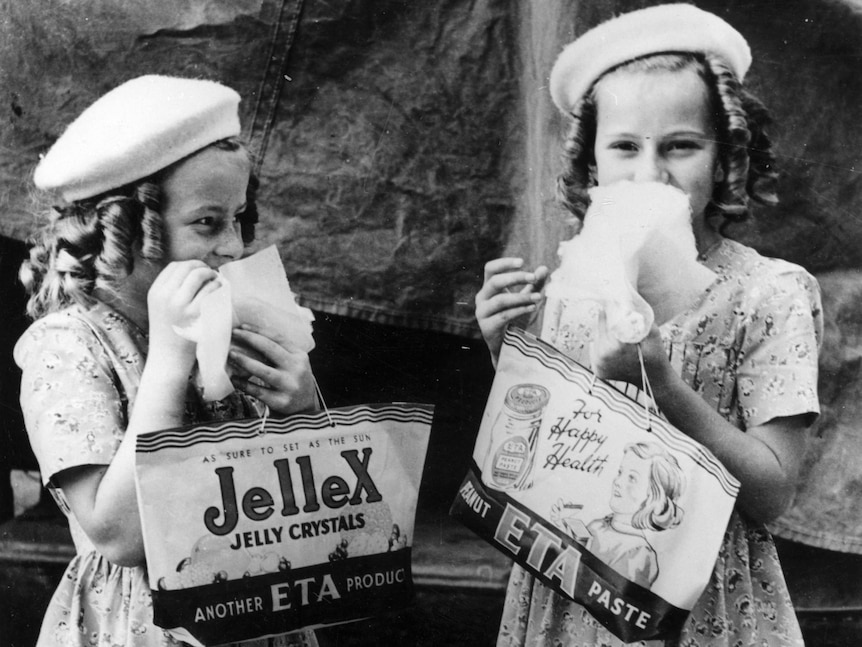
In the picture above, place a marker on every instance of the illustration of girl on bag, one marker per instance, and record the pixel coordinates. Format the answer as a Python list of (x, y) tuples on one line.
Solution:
[(644, 496)]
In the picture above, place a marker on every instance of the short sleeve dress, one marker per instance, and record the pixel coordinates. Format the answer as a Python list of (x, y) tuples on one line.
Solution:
[(749, 347), (624, 550), (81, 372)]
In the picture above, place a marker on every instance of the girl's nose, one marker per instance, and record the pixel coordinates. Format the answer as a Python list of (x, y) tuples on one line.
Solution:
[(230, 242), (650, 168)]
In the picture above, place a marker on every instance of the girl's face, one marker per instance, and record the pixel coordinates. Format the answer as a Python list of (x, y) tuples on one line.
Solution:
[(631, 484), (656, 126), (203, 196)]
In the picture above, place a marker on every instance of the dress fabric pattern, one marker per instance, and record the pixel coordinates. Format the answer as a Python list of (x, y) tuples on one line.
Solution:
[(81, 372), (748, 346)]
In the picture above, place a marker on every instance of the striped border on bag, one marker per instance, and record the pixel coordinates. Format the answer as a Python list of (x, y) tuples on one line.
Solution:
[(180, 437)]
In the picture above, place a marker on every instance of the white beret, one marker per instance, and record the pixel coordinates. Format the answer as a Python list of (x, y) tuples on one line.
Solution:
[(136, 129), (654, 30)]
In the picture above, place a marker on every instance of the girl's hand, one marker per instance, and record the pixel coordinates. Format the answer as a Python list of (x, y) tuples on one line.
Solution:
[(615, 360), (173, 299), (266, 370), (509, 294)]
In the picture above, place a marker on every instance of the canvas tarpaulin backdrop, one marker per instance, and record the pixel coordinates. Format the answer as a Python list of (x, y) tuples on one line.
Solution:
[(403, 144), (383, 128)]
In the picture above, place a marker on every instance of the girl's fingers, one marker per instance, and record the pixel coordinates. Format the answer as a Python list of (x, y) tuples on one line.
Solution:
[(171, 298), (506, 301), (508, 282), (179, 284), (248, 385), (253, 367), (198, 282), (501, 265), (259, 343), (174, 274), (508, 293), (541, 273), (505, 275), (501, 319), (285, 387), (258, 356), (537, 284)]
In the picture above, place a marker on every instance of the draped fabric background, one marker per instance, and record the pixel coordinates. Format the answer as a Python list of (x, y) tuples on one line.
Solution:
[(384, 128), (808, 70), (403, 144)]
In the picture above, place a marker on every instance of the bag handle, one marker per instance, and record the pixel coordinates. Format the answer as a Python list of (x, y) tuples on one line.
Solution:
[(320, 399), (646, 388)]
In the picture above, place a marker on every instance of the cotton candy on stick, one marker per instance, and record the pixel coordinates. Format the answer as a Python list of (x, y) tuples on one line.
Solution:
[(635, 256), (253, 291), (593, 269)]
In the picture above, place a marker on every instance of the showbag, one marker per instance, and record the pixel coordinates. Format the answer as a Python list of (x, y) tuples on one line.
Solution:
[(254, 528), (596, 495)]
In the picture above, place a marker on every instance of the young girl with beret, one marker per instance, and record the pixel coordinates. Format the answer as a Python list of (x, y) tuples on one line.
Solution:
[(157, 194), (656, 96)]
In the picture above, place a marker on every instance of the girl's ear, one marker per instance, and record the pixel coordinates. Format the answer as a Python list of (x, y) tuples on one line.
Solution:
[(718, 173), (592, 174)]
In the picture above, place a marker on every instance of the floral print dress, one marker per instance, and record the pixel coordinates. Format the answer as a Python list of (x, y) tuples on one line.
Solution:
[(81, 372), (749, 347)]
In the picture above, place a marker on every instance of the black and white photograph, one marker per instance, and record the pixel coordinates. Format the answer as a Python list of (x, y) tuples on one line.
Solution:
[(513, 323)]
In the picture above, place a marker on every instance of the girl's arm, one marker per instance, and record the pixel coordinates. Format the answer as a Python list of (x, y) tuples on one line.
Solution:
[(765, 458), (103, 498)]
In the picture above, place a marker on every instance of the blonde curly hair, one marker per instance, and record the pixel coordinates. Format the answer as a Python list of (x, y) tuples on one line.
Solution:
[(745, 150), (92, 243)]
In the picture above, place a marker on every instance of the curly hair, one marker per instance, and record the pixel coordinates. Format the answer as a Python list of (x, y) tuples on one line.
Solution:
[(92, 243), (660, 510), (740, 119)]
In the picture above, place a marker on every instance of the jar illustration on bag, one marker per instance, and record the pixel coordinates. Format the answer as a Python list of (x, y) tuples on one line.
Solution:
[(514, 438)]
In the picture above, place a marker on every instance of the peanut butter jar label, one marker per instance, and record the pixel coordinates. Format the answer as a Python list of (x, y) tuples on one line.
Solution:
[(514, 436)]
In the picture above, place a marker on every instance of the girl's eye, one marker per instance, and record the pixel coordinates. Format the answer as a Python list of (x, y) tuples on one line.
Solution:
[(683, 145), (206, 221), (624, 146)]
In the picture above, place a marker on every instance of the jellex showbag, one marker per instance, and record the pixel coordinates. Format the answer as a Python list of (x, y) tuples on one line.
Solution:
[(255, 527), (596, 495)]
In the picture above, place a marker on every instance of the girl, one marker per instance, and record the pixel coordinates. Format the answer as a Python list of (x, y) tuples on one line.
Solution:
[(655, 95), (643, 497), (158, 196)]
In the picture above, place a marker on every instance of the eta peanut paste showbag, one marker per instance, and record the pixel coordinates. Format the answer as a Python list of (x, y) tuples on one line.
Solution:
[(599, 498), (259, 527)]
